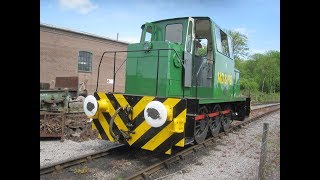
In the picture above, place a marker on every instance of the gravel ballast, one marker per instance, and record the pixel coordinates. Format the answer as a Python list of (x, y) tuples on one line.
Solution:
[(52, 151), (236, 157)]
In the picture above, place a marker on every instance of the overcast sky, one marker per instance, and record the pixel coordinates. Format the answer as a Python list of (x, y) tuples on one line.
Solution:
[(258, 19)]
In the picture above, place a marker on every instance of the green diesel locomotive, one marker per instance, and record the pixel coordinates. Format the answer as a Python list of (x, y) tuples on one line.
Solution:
[(173, 95)]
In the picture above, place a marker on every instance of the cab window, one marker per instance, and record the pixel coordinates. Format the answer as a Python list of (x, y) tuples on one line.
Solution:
[(174, 33), (148, 34), (224, 44)]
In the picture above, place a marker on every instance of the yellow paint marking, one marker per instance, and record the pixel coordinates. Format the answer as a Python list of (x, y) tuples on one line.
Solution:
[(105, 126), (118, 121), (144, 126), (179, 122), (121, 100), (139, 131), (141, 105), (102, 95), (171, 102), (180, 143), (163, 135), (169, 151), (159, 138), (95, 128), (224, 78)]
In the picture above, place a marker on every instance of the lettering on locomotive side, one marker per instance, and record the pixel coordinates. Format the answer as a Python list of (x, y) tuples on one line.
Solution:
[(224, 78)]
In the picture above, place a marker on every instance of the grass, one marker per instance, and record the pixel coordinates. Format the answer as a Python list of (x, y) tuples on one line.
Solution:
[(260, 97), (81, 170), (258, 138)]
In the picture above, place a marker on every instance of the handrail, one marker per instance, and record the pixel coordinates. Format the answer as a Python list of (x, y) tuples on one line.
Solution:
[(114, 64), (197, 74)]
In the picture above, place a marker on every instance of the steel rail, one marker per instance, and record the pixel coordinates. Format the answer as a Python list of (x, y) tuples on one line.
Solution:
[(58, 166), (180, 156)]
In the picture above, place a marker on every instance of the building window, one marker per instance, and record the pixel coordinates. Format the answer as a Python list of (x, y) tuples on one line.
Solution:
[(85, 61)]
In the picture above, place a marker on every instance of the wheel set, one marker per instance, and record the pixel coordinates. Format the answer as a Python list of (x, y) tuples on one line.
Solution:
[(214, 124)]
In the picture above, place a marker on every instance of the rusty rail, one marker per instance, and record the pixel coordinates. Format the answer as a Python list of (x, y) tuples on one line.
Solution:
[(143, 174), (58, 166)]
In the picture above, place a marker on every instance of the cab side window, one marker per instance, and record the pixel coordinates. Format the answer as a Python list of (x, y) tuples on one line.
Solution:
[(174, 33), (224, 43)]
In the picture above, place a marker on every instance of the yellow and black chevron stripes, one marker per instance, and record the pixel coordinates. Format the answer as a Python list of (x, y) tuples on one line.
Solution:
[(159, 139), (102, 123), (145, 132), (165, 139), (95, 128)]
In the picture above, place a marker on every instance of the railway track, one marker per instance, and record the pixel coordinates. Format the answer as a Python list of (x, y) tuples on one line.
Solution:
[(264, 103), (144, 173), (75, 161), (180, 156)]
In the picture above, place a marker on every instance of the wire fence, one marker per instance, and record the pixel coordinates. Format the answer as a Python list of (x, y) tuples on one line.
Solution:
[(269, 155), (268, 164)]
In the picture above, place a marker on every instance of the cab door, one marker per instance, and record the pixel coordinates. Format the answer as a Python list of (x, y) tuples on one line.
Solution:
[(188, 53)]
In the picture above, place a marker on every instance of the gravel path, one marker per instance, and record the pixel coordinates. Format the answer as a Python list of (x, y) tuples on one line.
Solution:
[(54, 151), (236, 157)]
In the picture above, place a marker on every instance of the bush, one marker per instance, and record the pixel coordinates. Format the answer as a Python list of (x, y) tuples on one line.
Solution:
[(259, 97)]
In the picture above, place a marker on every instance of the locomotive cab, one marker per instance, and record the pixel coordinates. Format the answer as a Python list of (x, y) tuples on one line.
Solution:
[(183, 35)]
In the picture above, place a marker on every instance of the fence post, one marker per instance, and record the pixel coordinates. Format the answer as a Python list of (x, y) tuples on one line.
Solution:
[(263, 153)]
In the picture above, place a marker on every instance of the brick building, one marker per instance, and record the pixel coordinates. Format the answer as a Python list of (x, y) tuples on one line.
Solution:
[(66, 53)]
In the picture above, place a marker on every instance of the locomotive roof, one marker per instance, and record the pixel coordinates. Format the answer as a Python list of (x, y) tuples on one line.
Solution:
[(195, 17)]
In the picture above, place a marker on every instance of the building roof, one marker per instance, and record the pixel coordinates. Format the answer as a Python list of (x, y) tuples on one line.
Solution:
[(81, 33)]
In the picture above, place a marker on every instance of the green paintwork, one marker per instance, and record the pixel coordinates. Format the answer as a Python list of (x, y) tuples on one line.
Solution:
[(141, 68), (142, 74)]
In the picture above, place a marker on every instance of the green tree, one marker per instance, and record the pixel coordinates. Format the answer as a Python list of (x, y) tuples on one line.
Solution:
[(265, 69), (240, 44), (261, 72), (202, 51), (248, 84)]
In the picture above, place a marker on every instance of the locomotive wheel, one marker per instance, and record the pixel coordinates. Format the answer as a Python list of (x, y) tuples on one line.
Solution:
[(215, 122), (201, 127), (226, 120)]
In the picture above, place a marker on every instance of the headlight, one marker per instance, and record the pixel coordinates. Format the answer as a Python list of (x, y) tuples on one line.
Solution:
[(90, 106), (155, 114)]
